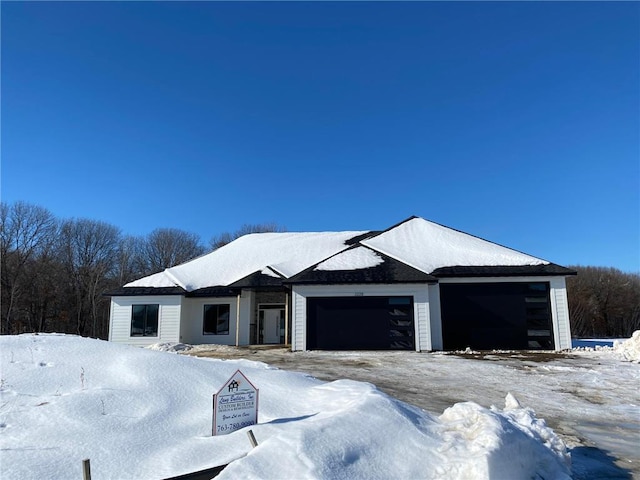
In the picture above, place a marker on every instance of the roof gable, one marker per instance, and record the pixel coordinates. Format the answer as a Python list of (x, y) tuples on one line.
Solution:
[(429, 246), (360, 264)]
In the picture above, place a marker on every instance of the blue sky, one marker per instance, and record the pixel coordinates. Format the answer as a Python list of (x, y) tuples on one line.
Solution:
[(515, 121)]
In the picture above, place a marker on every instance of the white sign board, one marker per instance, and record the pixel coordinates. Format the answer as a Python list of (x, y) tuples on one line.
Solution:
[(235, 406)]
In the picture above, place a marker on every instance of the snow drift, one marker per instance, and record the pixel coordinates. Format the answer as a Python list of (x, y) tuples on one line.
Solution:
[(630, 348), (138, 413)]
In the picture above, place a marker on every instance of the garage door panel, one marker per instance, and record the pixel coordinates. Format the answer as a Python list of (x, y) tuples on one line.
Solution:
[(496, 316), (360, 323)]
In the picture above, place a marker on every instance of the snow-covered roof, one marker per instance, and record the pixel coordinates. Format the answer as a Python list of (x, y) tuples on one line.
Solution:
[(428, 246), (419, 243), (286, 253)]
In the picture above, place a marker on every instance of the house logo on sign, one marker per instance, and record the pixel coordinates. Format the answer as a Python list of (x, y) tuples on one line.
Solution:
[(235, 406)]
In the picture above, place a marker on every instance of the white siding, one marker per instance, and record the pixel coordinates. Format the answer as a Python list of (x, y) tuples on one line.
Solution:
[(247, 304), (193, 316), (421, 318), (420, 307), (436, 317), (560, 310), (168, 319), (299, 321)]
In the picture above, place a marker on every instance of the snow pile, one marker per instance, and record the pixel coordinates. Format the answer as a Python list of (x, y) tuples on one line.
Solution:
[(138, 413), (630, 348), (169, 347), (501, 444)]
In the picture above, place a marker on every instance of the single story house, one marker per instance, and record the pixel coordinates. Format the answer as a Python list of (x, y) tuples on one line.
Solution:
[(416, 286)]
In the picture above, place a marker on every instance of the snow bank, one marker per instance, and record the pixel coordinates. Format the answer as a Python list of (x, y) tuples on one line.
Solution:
[(490, 443), (169, 347), (138, 413), (629, 349)]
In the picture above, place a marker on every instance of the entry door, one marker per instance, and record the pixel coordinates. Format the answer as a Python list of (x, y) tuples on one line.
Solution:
[(271, 325)]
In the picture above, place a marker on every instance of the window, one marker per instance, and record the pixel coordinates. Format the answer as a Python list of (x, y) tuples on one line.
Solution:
[(216, 320), (144, 320)]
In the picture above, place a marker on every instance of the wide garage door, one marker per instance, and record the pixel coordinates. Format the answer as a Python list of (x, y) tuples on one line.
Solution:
[(360, 323), (487, 316)]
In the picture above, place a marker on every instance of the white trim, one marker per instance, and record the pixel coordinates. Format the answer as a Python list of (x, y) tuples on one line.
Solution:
[(435, 315), (238, 319), (286, 318), (560, 312)]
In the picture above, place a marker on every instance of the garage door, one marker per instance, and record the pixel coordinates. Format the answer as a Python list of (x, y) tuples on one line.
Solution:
[(513, 316), (360, 323)]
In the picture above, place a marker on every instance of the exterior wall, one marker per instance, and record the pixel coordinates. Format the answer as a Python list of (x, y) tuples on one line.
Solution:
[(560, 312), (169, 315), (420, 294), (247, 304), (558, 297), (192, 321), (436, 317), (192, 318)]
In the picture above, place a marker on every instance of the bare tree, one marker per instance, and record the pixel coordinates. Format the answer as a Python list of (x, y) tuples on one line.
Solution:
[(129, 264), (603, 302), (227, 237), (89, 251), (26, 231), (166, 247)]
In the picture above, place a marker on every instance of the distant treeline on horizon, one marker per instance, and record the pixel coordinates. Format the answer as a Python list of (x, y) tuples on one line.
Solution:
[(55, 272)]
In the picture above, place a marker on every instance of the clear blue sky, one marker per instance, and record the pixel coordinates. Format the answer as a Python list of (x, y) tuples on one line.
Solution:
[(514, 121)]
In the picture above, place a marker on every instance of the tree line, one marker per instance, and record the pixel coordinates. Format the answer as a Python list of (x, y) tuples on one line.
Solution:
[(54, 274), (603, 302)]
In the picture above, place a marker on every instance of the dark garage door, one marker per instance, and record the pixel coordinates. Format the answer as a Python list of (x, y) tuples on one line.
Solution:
[(487, 316), (360, 323)]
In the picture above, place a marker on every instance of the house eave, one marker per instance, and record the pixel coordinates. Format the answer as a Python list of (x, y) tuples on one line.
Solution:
[(144, 291), (544, 270)]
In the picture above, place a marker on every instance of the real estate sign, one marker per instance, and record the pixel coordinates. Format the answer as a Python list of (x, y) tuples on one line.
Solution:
[(235, 406)]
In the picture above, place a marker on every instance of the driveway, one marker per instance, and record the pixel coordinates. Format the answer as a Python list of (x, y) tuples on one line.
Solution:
[(590, 399)]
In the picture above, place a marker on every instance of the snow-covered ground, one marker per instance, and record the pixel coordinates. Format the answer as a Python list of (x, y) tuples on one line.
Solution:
[(138, 413)]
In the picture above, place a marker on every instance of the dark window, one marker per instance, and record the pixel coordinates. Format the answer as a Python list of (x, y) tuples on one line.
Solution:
[(144, 320), (216, 320)]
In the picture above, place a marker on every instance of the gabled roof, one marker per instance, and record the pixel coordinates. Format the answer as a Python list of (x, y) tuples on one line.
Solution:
[(428, 246), (415, 250), (361, 265), (286, 253), (266, 277)]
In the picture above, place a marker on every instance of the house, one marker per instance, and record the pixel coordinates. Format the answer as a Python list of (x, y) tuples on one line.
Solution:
[(416, 286)]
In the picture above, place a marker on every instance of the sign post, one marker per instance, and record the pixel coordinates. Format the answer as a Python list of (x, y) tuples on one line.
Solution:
[(235, 406)]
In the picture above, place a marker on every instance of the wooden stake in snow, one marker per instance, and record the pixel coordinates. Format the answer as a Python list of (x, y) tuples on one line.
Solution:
[(86, 469), (252, 438)]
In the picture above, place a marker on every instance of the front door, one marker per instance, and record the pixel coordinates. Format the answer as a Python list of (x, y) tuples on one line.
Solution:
[(272, 325)]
